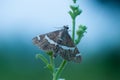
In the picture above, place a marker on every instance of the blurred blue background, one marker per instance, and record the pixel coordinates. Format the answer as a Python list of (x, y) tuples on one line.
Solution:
[(21, 20)]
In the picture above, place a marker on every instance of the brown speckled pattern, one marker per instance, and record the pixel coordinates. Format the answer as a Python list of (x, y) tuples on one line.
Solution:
[(61, 38)]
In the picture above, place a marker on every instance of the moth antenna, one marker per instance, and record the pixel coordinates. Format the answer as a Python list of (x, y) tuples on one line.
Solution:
[(57, 27)]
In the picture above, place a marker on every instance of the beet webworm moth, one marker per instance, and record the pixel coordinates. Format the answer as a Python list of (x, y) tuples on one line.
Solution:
[(60, 43)]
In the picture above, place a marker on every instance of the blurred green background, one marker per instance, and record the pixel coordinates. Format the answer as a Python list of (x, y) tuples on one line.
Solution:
[(21, 20)]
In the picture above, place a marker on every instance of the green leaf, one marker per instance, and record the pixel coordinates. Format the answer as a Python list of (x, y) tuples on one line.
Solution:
[(40, 56), (75, 11), (73, 7), (50, 67), (71, 14), (80, 33), (78, 12)]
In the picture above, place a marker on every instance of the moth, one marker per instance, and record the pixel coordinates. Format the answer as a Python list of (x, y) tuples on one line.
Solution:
[(60, 43)]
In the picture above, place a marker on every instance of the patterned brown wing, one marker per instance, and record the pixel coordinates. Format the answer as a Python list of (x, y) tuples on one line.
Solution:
[(70, 54), (60, 43), (55, 35), (48, 42), (65, 39)]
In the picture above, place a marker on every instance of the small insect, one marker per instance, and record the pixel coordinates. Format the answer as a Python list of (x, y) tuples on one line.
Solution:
[(60, 43)]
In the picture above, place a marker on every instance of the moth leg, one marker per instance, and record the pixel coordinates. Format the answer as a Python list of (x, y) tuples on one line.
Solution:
[(77, 59)]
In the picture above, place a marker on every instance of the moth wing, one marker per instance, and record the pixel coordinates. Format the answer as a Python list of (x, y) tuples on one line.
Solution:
[(77, 59), (56, 41), (54, 35), (70, 55), (65, 39), (48, 41)]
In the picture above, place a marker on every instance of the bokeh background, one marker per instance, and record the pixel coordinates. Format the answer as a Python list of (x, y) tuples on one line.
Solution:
[(21, 20)]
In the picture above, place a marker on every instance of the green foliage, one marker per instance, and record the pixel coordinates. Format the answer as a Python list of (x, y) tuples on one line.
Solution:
[(80, 33), (75, 11), (47, 63), (40, 56)]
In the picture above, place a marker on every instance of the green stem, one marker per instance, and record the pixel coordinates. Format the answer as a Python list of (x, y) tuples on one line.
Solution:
[(73, 29), (52, 63), (57, 73)]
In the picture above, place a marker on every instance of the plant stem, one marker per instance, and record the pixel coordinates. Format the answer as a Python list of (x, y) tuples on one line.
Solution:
[(52, 63), (57, 73), (73, 29)]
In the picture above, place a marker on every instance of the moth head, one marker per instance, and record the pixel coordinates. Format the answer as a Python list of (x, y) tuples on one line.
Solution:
[(66, 27)]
